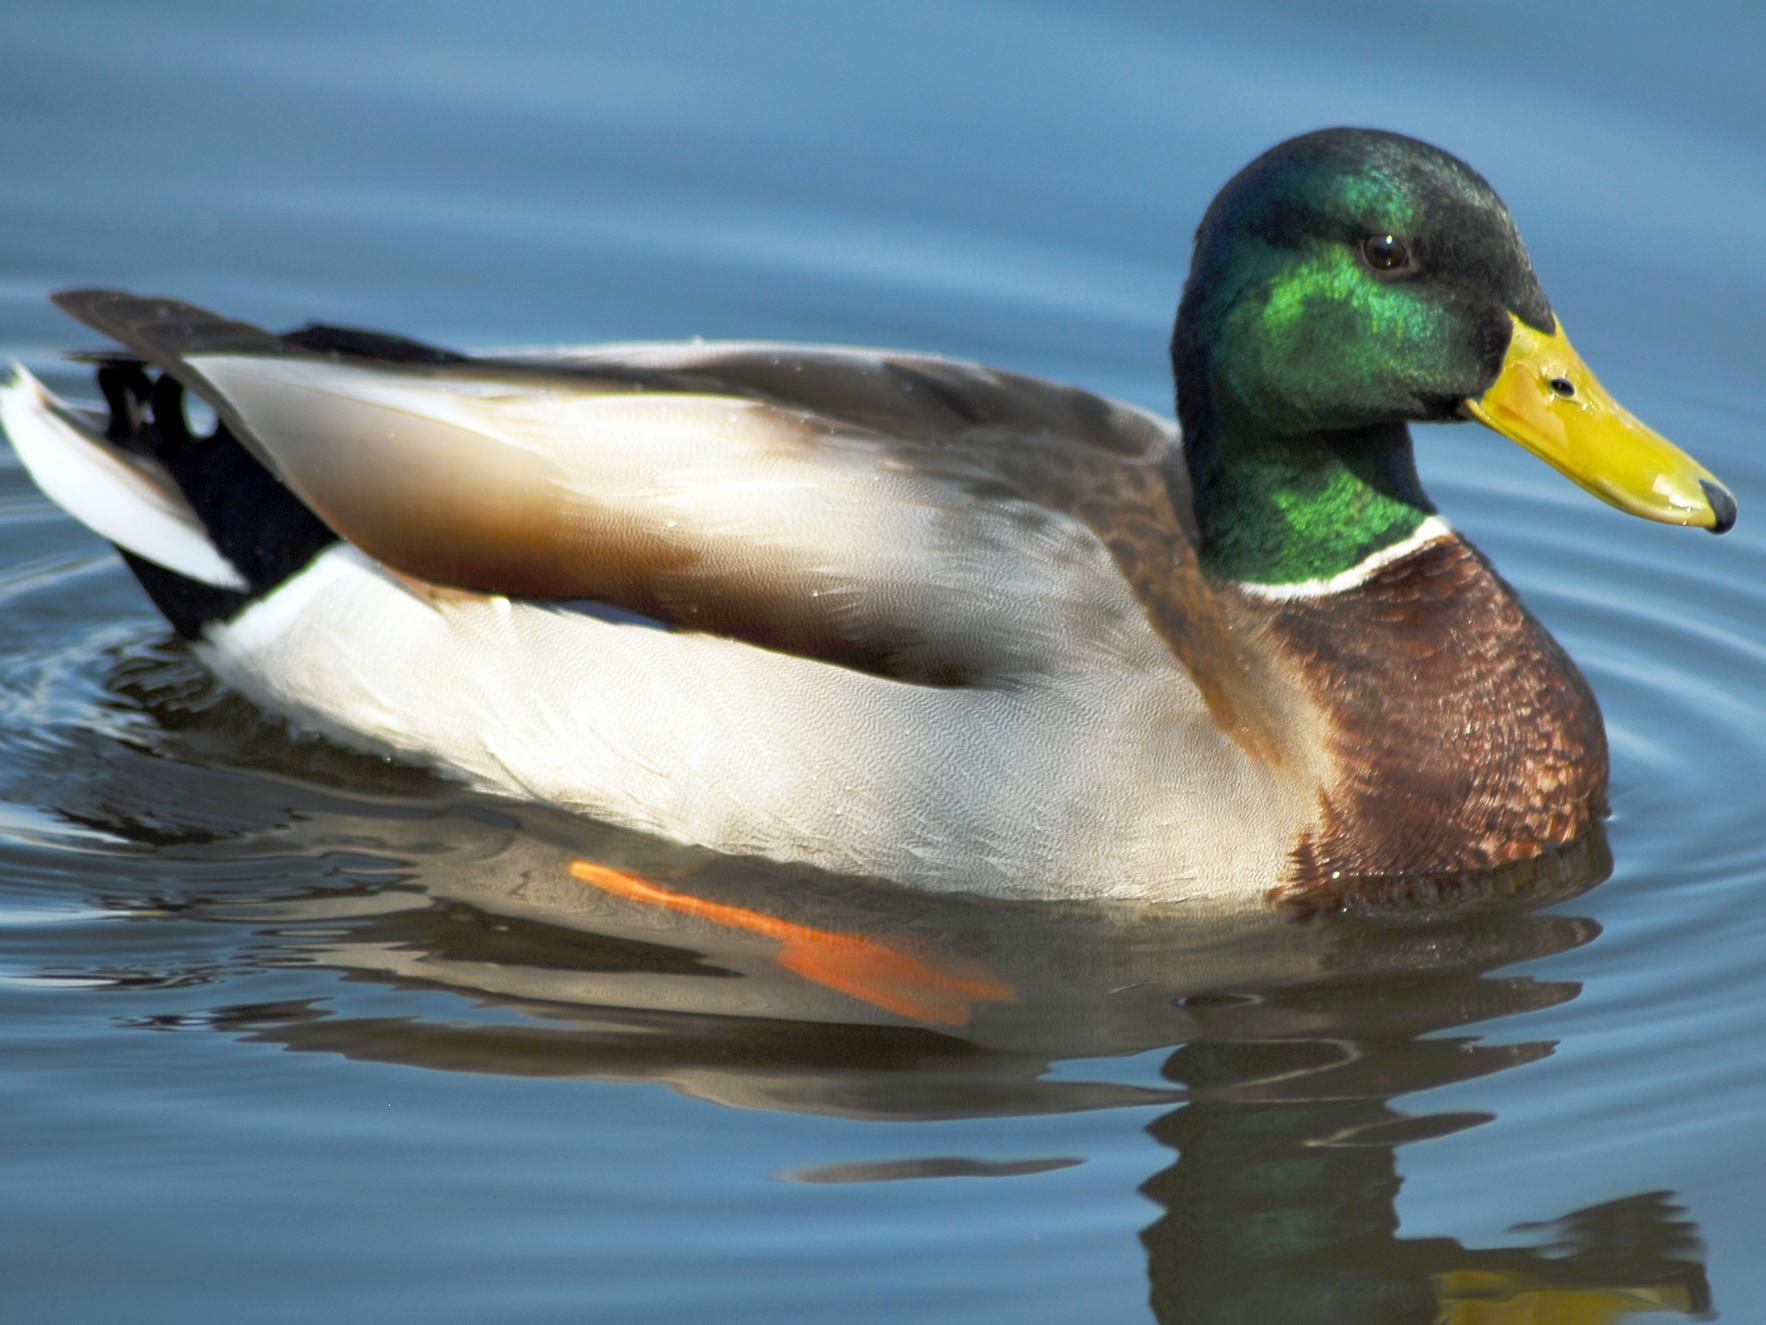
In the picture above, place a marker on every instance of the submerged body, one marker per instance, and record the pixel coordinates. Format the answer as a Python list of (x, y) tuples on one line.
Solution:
[(887, 614)]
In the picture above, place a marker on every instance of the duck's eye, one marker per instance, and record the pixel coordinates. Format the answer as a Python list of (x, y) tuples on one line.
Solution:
[(1385, 252)]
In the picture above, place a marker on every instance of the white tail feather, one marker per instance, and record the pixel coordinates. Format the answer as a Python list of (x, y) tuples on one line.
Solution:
[(125, 498)]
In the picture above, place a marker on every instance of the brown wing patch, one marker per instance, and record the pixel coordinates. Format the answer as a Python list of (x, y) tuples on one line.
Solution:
[(451, 507), (397, 461)]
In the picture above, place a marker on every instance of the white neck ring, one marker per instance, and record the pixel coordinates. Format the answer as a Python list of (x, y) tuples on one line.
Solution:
[(1431, 530)]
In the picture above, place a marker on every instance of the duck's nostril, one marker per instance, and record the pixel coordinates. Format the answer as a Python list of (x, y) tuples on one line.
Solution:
[(1563, 386)]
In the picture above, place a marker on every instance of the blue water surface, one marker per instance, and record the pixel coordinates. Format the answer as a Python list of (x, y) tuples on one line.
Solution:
[(288, 1034)]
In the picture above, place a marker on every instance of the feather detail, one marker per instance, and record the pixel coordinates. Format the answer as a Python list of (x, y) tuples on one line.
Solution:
[(126, 498)]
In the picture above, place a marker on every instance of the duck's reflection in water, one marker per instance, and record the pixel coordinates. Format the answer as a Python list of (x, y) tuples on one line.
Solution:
[(1290, 1043), (1289, 1047), (1281, 1203)]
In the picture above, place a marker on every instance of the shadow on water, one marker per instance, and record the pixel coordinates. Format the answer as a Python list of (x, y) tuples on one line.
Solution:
[(576, 951)]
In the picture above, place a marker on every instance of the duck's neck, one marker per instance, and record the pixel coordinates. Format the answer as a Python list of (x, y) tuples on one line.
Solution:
[(1289, 508)]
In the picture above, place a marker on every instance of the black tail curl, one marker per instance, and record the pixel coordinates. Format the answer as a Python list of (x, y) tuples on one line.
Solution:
[(255, 522)]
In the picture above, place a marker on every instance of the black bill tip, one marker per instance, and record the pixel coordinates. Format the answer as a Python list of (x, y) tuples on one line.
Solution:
[(1722, 505)]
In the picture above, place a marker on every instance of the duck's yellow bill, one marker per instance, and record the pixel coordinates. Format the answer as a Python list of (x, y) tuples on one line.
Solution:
[(1546, 399)]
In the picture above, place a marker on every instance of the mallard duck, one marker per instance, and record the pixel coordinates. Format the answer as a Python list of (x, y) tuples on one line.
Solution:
[(898, 615)]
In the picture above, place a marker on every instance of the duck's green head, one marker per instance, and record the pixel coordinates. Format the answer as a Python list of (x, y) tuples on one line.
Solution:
[(1348, 282)]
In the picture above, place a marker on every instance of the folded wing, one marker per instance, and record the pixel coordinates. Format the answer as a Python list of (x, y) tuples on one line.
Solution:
[(925, 520)]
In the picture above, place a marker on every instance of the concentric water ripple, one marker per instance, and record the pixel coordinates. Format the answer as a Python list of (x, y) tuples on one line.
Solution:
[(289, 1033)]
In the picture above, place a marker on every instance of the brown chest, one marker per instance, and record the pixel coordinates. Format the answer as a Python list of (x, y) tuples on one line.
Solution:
[(1461, 738)]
